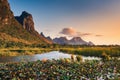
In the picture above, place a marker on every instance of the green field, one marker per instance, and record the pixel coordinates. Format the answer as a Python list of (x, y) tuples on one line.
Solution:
[(85, 51), (22, 51), (93, 51)]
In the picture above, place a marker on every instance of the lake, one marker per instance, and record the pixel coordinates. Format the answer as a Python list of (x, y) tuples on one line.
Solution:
[(49, 55)]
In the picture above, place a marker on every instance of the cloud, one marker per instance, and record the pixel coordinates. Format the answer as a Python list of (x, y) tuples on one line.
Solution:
[(68, 31), (73, 33), (98, 35), (83, 34)]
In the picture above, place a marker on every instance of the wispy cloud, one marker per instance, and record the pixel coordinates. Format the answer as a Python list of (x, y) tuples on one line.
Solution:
[(83, 34), (98, 35)]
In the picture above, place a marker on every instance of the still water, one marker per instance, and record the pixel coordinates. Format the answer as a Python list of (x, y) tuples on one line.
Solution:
[(50, 55)]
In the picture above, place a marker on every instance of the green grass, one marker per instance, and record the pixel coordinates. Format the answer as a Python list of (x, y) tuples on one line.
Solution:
[(93, 51), (84, 51), (23, 51)]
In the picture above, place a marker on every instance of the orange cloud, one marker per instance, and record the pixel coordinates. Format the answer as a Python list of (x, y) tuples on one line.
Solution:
[(68, 31), (98, 35), (73, 33)]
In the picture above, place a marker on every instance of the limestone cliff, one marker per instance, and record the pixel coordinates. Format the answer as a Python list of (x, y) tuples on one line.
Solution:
[(12, 30), (26, 20)]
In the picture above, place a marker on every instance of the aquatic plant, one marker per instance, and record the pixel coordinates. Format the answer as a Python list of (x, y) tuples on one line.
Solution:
[(105, 57), (72, 57), (93, 51), (60, 70), (79, 58)]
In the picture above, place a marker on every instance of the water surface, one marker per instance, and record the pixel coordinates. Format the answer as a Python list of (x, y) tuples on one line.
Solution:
[(49, 55)]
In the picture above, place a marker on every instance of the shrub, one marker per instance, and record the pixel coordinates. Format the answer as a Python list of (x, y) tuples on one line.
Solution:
[(79, 58), (72, 57), (105, 57)]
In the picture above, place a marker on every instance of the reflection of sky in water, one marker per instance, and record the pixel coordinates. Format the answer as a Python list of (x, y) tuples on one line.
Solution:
[(49, 55), (52, 55)]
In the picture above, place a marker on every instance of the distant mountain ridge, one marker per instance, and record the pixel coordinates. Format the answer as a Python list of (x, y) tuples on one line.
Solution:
[(73, 41), (47, 38), (77, 41), (61, 40)]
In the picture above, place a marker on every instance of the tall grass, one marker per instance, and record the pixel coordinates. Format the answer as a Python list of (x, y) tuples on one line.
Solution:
[(23, 51), (94, 51), (85, 51)]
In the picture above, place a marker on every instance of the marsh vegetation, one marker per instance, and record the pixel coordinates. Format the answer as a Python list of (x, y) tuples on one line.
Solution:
[(63, 69), (74, 67)]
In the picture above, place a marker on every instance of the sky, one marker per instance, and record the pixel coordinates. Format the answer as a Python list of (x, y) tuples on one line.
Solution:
[(93, 20)]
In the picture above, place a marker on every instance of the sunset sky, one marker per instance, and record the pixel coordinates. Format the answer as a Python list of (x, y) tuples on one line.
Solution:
[(93, 20)]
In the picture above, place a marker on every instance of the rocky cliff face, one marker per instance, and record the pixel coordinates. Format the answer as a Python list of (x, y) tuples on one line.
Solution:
[(26, 20), (20, 30), (6, 15)]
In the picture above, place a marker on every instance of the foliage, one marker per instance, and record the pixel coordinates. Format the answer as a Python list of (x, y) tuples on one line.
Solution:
[(79, 58), (105, 57), (22, 51), (72, 57), (18, 32), (93, 51), (19, 47), (60, 70)]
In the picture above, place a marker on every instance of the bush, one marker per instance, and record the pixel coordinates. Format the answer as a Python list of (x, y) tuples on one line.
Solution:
[(72, 57), (105, 57), (79, 58)]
